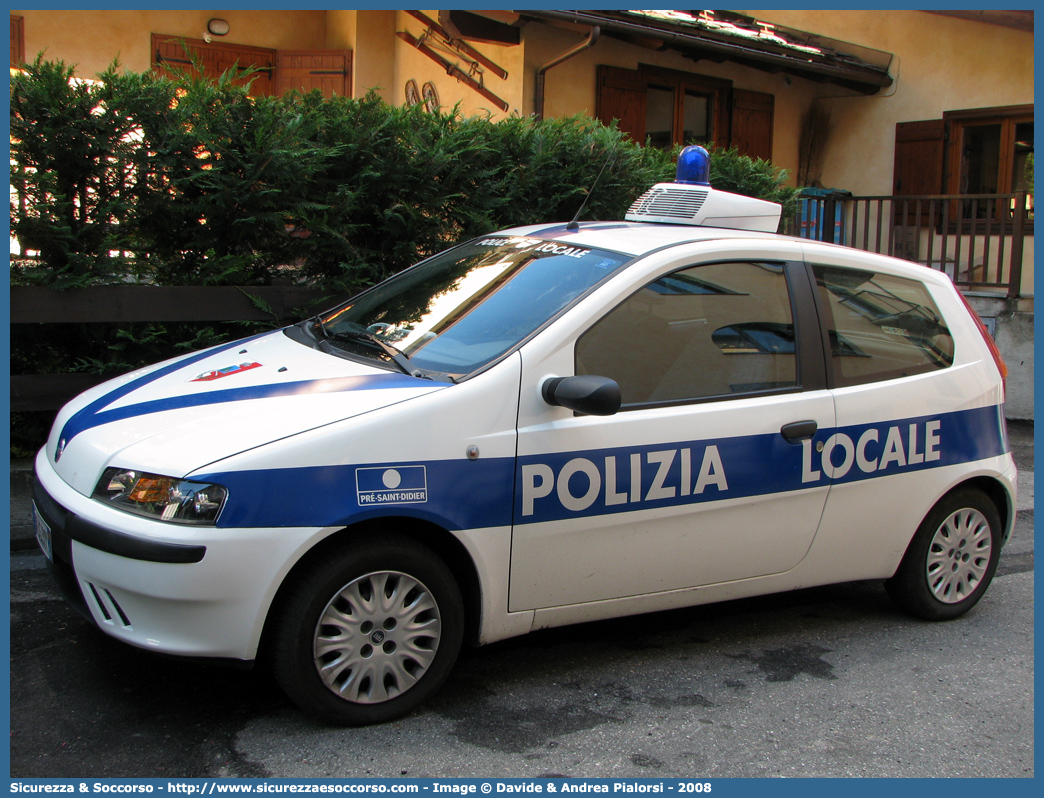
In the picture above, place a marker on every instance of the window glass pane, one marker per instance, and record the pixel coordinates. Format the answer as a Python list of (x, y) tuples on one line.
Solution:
[(659, 116), (980, 159), (881, 327), (697, 119), (706, 331)]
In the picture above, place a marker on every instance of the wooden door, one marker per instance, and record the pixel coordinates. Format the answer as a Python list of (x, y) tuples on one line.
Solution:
[(174, 54), (329, 71)]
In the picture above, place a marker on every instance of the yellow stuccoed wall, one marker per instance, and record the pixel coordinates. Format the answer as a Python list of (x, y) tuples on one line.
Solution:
[(941, 64), (373, 48), (90, 40), (410, 63)]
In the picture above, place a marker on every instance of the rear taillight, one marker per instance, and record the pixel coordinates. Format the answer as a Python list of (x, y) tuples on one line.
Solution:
[(997, 358)]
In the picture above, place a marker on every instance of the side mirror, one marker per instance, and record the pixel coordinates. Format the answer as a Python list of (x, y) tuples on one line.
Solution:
[(587, 394)]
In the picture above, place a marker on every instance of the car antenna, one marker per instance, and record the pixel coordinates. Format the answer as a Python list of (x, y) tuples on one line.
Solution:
[(575, 224)]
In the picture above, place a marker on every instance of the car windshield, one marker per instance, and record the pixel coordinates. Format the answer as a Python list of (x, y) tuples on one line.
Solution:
[(463, 309)]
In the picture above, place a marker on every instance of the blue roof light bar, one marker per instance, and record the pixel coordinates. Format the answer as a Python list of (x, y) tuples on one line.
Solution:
[(693, 167)]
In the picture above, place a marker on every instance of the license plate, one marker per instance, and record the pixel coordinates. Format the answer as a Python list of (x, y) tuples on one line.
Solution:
[(43, 533)]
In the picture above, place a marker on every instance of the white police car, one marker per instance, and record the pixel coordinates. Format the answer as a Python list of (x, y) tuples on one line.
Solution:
[(547, 425)]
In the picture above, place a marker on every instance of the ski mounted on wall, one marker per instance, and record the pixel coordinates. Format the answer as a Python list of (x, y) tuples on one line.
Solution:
[(437, 36)]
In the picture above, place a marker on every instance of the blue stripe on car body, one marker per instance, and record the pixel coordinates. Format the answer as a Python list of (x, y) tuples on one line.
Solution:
[(95, 414), (494, 492)]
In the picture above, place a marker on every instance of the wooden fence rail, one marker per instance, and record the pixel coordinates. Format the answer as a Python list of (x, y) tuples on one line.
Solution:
[(138, 303)]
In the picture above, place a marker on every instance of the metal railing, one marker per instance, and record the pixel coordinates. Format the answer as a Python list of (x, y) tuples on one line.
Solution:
[(977, 239)]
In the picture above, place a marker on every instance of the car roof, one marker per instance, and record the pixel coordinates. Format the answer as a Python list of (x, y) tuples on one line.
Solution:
[(641, 238), (634, 238)]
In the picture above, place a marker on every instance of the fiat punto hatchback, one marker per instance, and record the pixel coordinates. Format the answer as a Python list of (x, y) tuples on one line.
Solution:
[(547, 425)]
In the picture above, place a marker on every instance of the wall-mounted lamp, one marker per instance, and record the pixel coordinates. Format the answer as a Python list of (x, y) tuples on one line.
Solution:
[(218, 27)]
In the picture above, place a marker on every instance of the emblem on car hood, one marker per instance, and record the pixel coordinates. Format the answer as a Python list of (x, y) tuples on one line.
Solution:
[(227, 371)]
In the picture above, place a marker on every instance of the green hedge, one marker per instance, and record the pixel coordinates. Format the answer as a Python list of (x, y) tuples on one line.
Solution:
[(193, 182)]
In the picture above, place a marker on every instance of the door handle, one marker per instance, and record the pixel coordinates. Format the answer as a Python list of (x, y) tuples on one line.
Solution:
[(799, 431)]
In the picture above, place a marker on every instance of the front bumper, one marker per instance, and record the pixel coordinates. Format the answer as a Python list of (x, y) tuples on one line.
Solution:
[(191, 591)]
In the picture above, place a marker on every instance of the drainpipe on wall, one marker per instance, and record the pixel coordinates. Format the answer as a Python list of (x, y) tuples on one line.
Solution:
[(586, 44)]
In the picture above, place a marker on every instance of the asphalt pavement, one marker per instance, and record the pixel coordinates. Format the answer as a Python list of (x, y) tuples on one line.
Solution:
[(830, 681)]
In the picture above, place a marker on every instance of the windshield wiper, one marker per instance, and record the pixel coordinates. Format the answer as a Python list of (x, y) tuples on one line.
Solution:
[(397, 356), (322, 327)]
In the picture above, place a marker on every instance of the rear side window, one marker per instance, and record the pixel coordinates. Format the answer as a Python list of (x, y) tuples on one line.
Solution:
[(705, 332), (881, 327)]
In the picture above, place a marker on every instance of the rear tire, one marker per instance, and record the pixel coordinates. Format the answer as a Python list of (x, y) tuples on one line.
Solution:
[(368, 634), (952, 558)]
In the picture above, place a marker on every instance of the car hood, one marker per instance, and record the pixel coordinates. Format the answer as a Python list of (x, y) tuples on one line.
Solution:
[(181, 415)]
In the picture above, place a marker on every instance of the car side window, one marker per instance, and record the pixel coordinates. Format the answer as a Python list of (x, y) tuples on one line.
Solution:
[(881, 327), (704, 332)]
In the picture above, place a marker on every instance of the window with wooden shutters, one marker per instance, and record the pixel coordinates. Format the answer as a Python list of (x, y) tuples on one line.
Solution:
[(980, 151), (665, 107)]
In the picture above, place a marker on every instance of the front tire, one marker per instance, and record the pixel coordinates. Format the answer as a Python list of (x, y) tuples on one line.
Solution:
[(368, 634), (951, 560)]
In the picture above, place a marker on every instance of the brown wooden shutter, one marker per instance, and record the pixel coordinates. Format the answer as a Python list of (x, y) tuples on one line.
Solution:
[(752, 119), (169, 56), (919, 150), (920, 165), (621, 96), (329, 71), (17, 40)]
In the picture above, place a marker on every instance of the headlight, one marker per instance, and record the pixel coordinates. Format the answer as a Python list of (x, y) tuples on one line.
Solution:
[(163, 498)]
